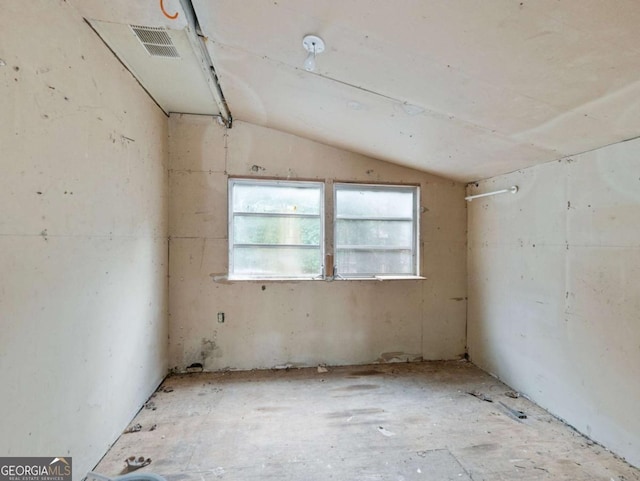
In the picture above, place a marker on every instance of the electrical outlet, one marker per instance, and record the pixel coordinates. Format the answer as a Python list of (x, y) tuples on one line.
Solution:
[(221, 317)]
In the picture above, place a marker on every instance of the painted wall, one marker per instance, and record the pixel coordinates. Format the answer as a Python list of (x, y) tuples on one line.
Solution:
[(306, 322), (554, 302), (83, 238)]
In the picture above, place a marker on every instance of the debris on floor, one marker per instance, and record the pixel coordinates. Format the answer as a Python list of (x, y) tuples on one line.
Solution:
[(322, 369), (134, 429), (167, 389), (223, 419), (481, 396), (134, 462), (283, 367), (195, 367), (512, 394), (153, 428), (150, 405), (385, 432), (514, 412)]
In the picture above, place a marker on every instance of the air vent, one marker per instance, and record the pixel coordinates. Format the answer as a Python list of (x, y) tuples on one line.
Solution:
[(156, 41)]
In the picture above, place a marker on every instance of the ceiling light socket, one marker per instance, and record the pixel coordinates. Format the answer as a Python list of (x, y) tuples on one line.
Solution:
[(314, 45)]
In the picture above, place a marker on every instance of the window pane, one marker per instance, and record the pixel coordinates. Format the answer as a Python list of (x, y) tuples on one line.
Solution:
[(276, 199), (374, 262), (365, 202), (374, 233), (277, 261), (268, 219), (375, 230), (276, 230)]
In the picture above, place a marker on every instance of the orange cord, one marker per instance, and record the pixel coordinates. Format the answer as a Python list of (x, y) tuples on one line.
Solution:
[(172, 17)]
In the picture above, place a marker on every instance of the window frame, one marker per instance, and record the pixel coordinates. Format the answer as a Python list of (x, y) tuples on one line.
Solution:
[(233, 181), (415, 237), (328, 218)]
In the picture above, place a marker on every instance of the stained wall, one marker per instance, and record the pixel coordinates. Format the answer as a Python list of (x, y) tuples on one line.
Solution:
[(554, 271), (83, 238), (301, 323)]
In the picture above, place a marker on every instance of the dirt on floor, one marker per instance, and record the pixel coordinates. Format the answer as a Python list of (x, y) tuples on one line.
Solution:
[(410, 421)]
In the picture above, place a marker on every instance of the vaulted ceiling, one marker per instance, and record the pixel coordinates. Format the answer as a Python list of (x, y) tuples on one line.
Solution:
[(464, 89)]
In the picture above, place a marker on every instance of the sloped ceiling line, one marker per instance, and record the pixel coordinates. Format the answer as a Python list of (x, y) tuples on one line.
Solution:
[(197, 40), (400, 102), (459, 89)]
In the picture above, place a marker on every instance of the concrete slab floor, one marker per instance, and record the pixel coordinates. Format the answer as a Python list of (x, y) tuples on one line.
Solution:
[(380, 422)]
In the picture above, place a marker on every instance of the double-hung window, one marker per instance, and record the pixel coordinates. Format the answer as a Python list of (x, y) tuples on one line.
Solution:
[(375, 230), (277, 230)]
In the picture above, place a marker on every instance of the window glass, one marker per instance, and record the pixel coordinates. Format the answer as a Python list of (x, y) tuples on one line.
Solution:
[(374, 262), (278, 262), (376, 230), (378, 202), (276, 198), (276, 229)]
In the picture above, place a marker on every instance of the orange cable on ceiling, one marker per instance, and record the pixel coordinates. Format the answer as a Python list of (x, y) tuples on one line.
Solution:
[(171, 17)]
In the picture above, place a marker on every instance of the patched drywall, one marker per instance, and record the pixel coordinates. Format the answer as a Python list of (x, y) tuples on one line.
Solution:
[(83, 238), (554, 272), (279, 323)]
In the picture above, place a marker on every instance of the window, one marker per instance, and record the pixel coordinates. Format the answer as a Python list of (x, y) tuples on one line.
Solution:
[(276, 229), (375, 230)]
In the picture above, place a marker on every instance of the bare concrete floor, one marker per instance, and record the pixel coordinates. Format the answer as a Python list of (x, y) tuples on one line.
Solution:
[(396, 422)]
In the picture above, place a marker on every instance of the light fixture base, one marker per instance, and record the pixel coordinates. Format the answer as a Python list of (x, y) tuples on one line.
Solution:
[(313, 43)]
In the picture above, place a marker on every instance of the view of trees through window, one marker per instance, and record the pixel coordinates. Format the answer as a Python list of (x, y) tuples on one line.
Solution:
[(375, 230), (277, 229)]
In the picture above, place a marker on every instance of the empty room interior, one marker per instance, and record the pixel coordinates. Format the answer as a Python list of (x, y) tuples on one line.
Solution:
[(294, 239)]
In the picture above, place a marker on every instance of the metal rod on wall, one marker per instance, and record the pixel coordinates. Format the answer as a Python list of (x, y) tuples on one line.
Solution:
[(513, 189)]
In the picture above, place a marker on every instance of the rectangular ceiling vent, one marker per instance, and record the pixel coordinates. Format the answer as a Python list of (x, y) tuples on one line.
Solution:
[(156, 41)]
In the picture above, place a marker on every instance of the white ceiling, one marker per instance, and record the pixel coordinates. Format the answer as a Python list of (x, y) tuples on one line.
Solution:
[(461, 88), (176, 84)]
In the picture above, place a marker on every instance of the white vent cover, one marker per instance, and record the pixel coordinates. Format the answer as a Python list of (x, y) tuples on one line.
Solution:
[(156, 41)]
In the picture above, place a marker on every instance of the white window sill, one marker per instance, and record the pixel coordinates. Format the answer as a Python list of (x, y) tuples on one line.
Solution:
[(278, 279), (398, 278), (328, 279), (380, 278)]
